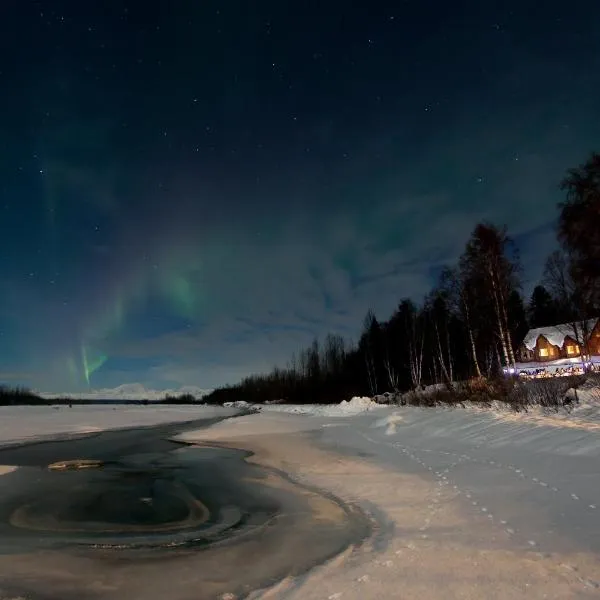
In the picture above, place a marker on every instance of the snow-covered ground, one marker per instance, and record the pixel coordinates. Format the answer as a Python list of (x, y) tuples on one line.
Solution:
[(346, 408), (469, 503), (18, 423)]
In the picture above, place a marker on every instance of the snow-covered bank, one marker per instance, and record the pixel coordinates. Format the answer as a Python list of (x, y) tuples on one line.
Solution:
[(577, 408), (19, 423), (346, 408), (468, 505)]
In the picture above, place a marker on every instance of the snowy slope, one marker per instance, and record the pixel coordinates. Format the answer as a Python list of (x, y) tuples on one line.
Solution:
[(469, 504)]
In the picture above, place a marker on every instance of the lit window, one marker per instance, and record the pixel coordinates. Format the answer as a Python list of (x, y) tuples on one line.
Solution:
[(571, 350), (543, 351)]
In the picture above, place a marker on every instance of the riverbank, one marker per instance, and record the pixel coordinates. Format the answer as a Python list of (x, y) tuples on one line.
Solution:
[(460, 504), (453, 519)]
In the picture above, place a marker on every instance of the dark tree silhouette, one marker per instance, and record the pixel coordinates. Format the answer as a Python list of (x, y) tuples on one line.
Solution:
[(579, 229), (543, 309), (491, 268), (468, 326), (517, 318)]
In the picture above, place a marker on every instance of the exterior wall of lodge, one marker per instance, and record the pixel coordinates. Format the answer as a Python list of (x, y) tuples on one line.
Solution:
[(545, 351)]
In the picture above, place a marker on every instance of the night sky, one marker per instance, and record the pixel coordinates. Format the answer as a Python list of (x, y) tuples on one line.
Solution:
[(192, 190)]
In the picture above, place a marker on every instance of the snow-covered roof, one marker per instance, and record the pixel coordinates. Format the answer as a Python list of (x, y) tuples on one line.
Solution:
[(556, 334)]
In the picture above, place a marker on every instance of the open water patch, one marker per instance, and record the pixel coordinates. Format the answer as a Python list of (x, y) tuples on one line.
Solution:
[(133, 514)]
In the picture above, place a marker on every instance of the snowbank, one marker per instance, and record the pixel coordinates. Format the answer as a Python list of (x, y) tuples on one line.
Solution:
[(346, 408), (237, 404)]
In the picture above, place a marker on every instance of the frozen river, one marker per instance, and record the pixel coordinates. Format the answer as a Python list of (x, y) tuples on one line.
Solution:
[(404, 502)]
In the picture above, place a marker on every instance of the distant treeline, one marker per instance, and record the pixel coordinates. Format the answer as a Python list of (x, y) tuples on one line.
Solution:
[(183, 399), (17, 396), (468, 327)]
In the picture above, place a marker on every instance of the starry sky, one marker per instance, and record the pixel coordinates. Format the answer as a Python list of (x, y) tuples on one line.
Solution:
[(191, 191)]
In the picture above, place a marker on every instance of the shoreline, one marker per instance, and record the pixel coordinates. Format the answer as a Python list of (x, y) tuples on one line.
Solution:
[(427, 538), (286, 526), (426, 544)]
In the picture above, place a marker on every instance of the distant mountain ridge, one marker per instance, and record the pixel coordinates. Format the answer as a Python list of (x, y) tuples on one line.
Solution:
[(129, 391)]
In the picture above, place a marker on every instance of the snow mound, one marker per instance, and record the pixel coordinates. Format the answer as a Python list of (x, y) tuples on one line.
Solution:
[(357, 404), (237, 404), (346, 408)]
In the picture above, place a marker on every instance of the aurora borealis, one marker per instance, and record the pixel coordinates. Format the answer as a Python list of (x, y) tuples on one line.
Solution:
[(191, 191)]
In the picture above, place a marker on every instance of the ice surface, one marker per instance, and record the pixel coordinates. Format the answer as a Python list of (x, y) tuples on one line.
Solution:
[(22, 422)]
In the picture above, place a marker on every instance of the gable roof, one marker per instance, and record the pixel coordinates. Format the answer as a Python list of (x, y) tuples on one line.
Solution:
[(556, 334)]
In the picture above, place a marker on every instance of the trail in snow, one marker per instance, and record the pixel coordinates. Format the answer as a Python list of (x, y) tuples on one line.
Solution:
[(537, 485)]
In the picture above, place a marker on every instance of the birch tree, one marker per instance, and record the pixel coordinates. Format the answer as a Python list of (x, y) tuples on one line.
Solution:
[(454, 281), (490, 264), (437, 310), (370, 346)]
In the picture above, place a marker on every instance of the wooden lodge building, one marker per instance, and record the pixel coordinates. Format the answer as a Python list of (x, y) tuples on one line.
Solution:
[(559, 342)]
